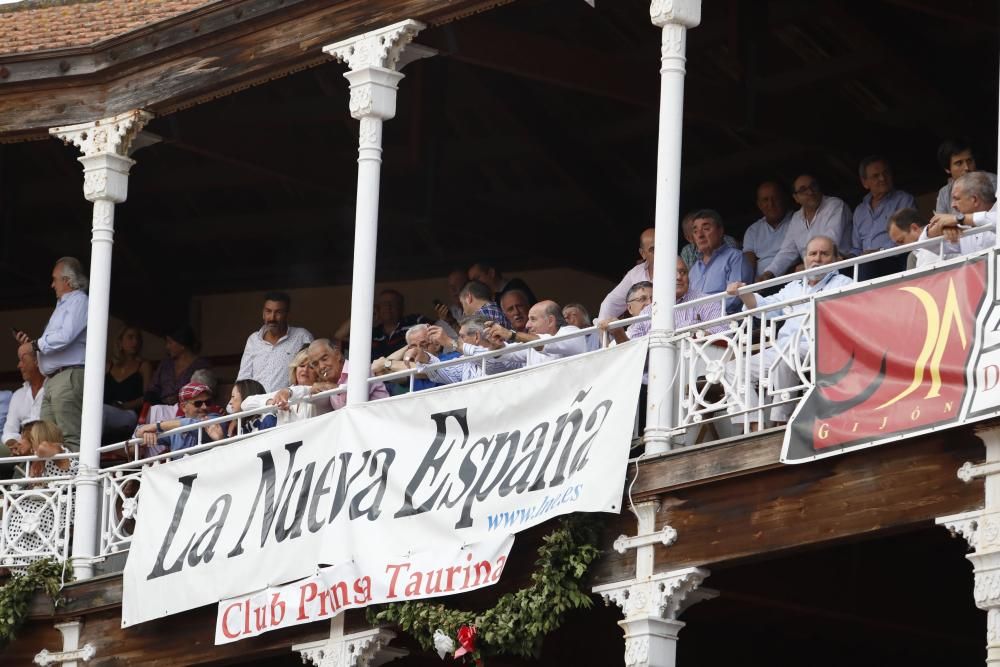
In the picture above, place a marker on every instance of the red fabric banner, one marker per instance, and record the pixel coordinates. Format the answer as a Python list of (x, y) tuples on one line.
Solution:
[(889, 360)]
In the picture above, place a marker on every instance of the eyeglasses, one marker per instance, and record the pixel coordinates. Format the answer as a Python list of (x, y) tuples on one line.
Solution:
[(199, 404), (812, 187), (640, 299)]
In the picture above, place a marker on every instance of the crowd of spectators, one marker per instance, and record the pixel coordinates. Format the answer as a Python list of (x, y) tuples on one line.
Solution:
[(285, 374), (284, 367)]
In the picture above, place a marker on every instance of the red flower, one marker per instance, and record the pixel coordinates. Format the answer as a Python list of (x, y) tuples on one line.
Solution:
[(467, 640)]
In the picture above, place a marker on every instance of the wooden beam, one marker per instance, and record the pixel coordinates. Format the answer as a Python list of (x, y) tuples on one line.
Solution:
[(239, 54)]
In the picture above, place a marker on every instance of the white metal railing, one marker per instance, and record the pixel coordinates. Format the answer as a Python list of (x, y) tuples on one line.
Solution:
[(706, 395)]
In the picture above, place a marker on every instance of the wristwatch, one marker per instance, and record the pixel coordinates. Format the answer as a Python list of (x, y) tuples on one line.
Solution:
[(959, 218), (388, 364), (513, 337)]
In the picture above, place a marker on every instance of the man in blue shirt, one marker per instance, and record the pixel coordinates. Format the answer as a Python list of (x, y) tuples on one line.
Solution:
[(871, 217), (718, 264), (61, 350)]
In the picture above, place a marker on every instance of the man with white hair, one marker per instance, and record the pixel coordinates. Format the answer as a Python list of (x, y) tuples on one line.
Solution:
[(418, 340), (331, 370), (471, 340), (545, 320), (973, 196), (820, 250), (61, 350)]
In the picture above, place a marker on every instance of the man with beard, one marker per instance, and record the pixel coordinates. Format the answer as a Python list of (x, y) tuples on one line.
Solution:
[(270, 349), (820, 250)]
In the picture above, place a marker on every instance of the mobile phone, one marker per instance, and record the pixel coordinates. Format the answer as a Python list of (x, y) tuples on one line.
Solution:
[(437, 302), (14, 331)]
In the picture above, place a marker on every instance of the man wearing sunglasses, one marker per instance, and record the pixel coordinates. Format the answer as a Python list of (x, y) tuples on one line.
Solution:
[(195, 400)]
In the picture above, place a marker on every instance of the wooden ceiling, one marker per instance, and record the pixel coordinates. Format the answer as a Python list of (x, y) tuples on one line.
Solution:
[(530, 139)]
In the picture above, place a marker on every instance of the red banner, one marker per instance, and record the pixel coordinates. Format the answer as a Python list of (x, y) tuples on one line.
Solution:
[(890, 360)]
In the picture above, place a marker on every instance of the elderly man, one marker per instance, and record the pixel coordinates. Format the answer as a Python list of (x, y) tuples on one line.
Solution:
[(545, 320), (718, 264), (684, 315), (270, 349), (472, 340), (973, 197), (763, 238), (418, 341), (905, 226), (818, 215), (956, 158), (515, 304), (871, 218), (194, 400), (477, 299), (61, 350), (331, 370), (489, 274), (578, 315), (820, 250), (689, 253)]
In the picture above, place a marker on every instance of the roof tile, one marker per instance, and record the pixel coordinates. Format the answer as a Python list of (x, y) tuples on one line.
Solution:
[(40, 25)]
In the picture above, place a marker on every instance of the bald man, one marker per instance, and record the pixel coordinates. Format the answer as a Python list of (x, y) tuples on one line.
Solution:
[(614, 303), (545, 320)]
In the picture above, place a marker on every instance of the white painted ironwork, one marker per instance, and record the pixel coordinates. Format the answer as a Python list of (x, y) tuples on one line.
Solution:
[(35, 520)]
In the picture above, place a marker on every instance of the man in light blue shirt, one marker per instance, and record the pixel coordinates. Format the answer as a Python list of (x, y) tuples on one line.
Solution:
[(763, 239), (820, 250), (871, 217), (61, 350), (717, 264)]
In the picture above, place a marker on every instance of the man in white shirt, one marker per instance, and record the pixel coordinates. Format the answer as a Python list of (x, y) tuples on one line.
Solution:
[(973, 196), (614, 303), (820, 250), (270, 349), (545, 320), (818, 215), (763, 239), (26, 403)]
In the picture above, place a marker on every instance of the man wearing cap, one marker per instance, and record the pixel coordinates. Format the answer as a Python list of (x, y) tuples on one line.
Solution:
[(61, 350), (194, 399)]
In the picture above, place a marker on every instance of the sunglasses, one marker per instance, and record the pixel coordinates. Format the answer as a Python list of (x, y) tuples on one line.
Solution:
[(199, 404)]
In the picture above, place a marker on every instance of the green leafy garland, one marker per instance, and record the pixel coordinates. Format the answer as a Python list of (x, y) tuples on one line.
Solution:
[(519, 621), (45, 574)]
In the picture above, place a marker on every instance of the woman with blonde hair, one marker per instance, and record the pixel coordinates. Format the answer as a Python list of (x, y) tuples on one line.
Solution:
[(299, 373), (34, 531)]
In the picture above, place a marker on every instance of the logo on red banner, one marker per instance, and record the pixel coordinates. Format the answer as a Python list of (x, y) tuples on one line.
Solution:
[(889, 360)]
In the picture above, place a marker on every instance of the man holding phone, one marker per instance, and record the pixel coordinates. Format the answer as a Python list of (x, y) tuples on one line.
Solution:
[(61, 350)]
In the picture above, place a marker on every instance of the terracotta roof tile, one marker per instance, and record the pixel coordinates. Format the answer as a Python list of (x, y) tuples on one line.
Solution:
[(42, 25)]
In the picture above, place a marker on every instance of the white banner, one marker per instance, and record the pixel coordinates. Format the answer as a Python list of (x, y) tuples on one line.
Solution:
[(434, 470), (353, 585)]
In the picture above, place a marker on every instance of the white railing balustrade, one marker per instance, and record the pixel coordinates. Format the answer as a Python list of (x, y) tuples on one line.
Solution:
[(715, 392)]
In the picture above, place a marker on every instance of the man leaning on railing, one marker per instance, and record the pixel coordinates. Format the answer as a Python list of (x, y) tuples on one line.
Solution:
[(820, 250), (973, 196), (545, 319)]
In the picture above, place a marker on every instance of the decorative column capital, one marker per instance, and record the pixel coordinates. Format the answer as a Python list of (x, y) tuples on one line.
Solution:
[(379, 48), (665, 595), (105, 145), (686, 13), (109, 135), (357, 649)]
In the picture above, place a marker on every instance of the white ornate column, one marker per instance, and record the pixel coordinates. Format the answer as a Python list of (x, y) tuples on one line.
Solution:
[(372, 58), (981, 529), (652, 602), (72, 653), (674, 17), (105, 145), (367, 648)]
